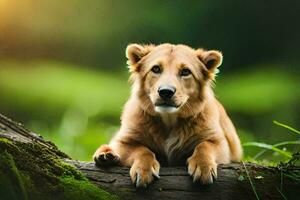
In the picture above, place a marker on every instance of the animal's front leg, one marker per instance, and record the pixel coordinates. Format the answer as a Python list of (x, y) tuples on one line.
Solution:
[(202, 165), (144, 166)]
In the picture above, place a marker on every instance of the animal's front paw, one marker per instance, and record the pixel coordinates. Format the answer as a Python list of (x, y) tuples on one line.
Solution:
[(105, 156), (143, 172), (203, 171)]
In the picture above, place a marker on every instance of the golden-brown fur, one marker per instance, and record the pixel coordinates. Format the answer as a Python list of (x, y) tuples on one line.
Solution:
[(194, 130)]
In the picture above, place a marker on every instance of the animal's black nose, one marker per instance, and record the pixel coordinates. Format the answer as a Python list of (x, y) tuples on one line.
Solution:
[(166, 92)]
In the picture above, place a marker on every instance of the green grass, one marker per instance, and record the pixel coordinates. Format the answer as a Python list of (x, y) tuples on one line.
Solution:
[(287, 127), (62, 85), (250, 181), (257, 91), (275, 147), (288, 155), (269, 147)]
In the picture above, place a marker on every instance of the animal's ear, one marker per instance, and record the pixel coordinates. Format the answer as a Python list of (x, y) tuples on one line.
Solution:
[(135, 52), (211, 59)]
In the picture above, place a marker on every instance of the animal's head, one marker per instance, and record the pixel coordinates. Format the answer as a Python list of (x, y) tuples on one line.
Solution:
[(171, 78)]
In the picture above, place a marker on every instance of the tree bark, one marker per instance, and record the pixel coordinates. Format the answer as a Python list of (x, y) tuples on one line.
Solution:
[(33, 168)]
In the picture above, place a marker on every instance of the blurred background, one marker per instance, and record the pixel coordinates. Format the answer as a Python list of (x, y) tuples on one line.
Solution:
[(63, 68)]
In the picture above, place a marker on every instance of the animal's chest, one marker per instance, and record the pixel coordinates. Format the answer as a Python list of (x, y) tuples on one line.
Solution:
[(177, 146)]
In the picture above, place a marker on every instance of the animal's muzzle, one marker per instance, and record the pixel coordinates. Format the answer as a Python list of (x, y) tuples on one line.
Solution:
[(166, 92)]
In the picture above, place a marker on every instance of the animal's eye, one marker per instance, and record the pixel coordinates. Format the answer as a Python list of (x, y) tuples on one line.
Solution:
[(185, 72), (156, 69)]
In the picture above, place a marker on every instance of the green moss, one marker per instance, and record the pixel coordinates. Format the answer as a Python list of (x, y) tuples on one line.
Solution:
[(32, 171), (82, 190), (11, 184), (70, 170), (4, 140)]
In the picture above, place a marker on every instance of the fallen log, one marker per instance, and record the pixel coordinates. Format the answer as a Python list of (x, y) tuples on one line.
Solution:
[(33, 168)]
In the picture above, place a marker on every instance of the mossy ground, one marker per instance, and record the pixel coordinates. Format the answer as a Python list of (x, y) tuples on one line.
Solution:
[(32, 171)]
